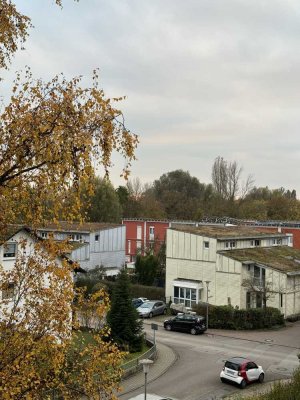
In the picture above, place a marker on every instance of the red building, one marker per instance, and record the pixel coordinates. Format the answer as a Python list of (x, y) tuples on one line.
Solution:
[(143, 235)]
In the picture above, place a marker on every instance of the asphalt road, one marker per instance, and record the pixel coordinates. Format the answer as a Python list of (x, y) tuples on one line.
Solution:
[(195, 375)]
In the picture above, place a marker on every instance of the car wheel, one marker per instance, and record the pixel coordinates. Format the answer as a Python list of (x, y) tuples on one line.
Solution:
[(223, 380), (193, 331), (165, 311), (243, 384), (151, 315), (168, 327), (261, 378)]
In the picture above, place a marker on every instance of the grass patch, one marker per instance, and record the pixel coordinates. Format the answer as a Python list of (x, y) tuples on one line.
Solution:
[(83, 338)]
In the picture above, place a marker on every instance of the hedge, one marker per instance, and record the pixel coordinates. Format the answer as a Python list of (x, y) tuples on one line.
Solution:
[(150, 292), (227, 317)]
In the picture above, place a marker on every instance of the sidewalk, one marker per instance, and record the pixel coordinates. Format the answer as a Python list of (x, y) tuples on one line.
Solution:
[(166, 357)]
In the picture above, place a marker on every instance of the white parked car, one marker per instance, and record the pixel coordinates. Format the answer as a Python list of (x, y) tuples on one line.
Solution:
[(241, 371)]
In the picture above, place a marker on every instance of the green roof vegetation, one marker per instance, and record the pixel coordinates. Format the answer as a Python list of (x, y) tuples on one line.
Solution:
[(282, 258), (227, 232)]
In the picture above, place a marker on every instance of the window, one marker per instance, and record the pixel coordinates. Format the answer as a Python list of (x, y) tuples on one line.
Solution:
[(96, 238), (206, 245), (186, 296), (281, 299), (259, 300), (8, 292), (44, 235), (129, 246), (10, 250), (248, 300), (259, 275), (230, 244), (75, 236), (151, 232), (255, 243)]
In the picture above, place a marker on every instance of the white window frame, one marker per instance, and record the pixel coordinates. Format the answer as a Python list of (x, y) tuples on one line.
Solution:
[(255, 243), (206, 244), (151, 232), (9, 254), (187, 296), (230, 244)]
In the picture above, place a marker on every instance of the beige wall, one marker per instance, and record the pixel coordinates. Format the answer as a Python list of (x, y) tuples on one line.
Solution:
[(183, 245), (187, 258)]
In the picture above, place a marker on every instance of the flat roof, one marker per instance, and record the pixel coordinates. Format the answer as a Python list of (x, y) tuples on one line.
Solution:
[(84, 227), (227, 232), (281, 258)]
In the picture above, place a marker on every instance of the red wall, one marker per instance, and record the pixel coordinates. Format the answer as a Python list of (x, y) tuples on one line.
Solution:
[(160, 228)]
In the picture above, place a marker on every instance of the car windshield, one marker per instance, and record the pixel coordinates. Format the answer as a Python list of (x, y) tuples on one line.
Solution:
[(231, 365), (146, 305)]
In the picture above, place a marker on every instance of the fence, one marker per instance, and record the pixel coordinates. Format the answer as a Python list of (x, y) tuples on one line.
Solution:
[(134, 365)]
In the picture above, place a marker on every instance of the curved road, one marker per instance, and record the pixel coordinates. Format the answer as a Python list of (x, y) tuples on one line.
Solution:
[(195, 375)]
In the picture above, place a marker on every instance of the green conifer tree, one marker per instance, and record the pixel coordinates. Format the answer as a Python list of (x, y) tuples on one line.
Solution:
[(126, 328)]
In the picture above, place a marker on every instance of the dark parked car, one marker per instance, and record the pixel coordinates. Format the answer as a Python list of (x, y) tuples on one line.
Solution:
[(191, 323), (151, 308)]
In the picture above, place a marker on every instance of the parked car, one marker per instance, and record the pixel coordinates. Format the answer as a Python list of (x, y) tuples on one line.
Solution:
[(151, 308), (139, 301), (191, 323), (179, 308), (241, 371)]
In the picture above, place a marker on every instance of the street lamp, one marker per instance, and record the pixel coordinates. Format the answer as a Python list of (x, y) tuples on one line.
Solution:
[(207, 291), (146, 366)]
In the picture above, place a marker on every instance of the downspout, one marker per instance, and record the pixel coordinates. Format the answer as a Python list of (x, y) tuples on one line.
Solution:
[(145, 226), (285, 305)]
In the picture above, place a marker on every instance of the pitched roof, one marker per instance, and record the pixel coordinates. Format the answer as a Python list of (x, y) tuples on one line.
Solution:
[(282, 258), (8, 231), (227, 232)]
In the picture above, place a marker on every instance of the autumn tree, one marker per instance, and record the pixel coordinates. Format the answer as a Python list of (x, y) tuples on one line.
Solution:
[(52, 135), (38, 356)]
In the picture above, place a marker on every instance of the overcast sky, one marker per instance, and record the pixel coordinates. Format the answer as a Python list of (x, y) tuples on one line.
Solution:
[(203, 78)]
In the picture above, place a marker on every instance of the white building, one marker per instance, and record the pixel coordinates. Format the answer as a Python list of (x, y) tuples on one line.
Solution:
[(93, 244), (221, 258)]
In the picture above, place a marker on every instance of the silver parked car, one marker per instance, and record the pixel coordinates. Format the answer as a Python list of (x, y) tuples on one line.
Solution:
[(151, 308)]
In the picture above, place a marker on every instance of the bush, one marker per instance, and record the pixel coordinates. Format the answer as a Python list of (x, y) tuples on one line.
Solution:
[(293, 318), (282, 390), (227, 317)]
